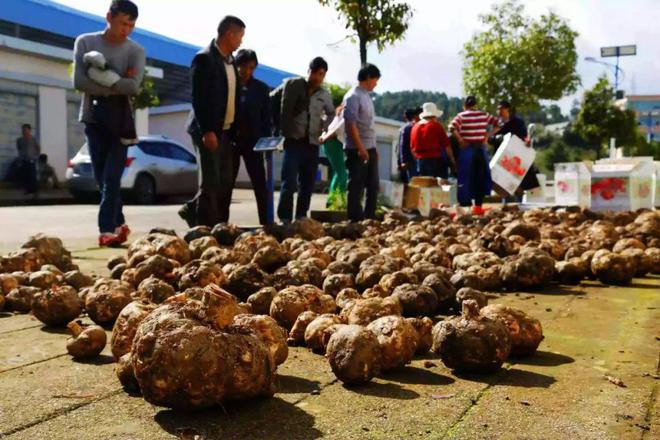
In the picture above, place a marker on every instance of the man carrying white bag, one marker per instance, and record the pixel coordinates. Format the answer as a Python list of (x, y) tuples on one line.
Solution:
[(510, 164)]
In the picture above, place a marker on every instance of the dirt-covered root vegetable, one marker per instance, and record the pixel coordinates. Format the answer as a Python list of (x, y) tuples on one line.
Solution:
[(270, 333), (316, 334), (335, 283), (478, 258), (246, 280), (463, 278), (168, 246), (525, 331), (155, 290), (43, 279), (226, 233), (207, 368), (23, 260), (397, 339), (292, 301), (50, 249), (391, 281), (114, 261), (201, 244), (375, 292), (364, 311), (424, 328), (86, 341), (345, 296), (444, 290), (57, 306), (613, 268), (526, 230), (7, 283), (106, 299), (531, 269), (270, 258), (214, 305), (117, 271), (571, 272), (628, 243), (77, 279), (261, 299), (125, 373), (643, 262), (654, 254), (20, 299), (354, 354), (297, 333), (467, 293), (472, 342), (308, 228), (126, 325), (416, 300), (200, 273)]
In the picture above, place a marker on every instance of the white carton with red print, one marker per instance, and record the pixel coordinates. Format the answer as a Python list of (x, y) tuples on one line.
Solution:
[(537, 195), (391, 193), (573, 184), (436, 197), (622, 184), (510, 163)]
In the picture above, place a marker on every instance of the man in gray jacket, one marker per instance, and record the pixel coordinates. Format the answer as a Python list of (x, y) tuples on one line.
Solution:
[(108, 68), (302, 111)]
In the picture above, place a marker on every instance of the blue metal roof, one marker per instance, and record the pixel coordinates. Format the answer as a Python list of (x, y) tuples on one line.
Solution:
[(62, 20)]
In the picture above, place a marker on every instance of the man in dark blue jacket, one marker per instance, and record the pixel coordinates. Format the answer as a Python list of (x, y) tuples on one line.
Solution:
[(253, 121), (211, 124), (407, 163)]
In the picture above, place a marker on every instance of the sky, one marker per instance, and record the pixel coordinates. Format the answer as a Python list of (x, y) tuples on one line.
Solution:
[(286, 34)]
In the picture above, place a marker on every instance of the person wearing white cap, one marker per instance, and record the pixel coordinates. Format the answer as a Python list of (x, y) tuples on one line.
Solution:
[(430, 145)]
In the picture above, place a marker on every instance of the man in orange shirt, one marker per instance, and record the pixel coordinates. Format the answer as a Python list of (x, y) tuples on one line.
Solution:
[(430, 145)]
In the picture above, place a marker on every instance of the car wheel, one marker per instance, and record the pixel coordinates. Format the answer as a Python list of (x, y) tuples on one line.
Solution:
[(144, 190)]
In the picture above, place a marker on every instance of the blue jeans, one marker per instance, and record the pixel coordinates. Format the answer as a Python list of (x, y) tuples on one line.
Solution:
[(108, 161), (299, 168), (362, 176)]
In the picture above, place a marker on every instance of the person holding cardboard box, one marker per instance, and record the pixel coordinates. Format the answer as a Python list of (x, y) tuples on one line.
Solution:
[(430, 144), (471, 129)]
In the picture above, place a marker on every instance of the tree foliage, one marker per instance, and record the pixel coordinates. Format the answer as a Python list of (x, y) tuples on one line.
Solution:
[(599, 119), (373, 21), (519, 58), (146, 96), (392, 104), (337, 92)]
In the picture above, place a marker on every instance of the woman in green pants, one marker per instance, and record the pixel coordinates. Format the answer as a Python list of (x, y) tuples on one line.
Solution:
[(334, 151)]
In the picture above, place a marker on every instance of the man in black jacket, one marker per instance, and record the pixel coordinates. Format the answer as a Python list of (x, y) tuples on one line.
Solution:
[(253, 121), (215, 101)]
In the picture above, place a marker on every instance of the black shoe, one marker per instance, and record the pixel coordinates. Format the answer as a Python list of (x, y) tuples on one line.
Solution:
[(187, 215)]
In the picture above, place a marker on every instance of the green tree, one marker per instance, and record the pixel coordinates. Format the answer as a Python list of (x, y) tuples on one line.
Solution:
[(337, 92), (599, 119), (520, 58), (392, 104), (147, 96), (373, 21)]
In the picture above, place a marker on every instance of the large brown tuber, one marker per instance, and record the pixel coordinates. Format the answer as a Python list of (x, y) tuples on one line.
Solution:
[(424, 328), (444, 290), (86, 341), (292, 301), (246, 280), (57, 306), (354, 354), (364, 311), (260, 300), (200, 273), (270, 333), (155, 290), (126, 325), (468, 293), (612, 268), (398, 340), (209, 366), (531, 269), (20, 299), (7, 283), (335, 283), (297, 333), (416, 300), (472, 342), (106, 299), (526, 332), (77, 279), (317, 334)]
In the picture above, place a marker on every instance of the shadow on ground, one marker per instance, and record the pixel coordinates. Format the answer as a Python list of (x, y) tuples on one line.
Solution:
[(267, 419), (545, 359), (384, 390), (512, 377), (417, 376), (293, 385), (102, 359)]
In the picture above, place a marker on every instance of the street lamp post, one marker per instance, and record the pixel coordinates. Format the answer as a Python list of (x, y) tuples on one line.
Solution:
[(616, 67)]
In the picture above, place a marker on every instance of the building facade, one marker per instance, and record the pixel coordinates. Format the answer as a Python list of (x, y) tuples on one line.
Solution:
[(647, 110)]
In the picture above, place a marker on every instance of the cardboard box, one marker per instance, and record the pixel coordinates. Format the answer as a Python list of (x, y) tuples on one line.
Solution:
[(510, 163), (424, 181), (391, 193), (573, 184), (411, 197), (537, 195), (622, 184), (436, 198)]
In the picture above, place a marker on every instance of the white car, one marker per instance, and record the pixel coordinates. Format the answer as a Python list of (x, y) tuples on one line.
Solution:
[(156, 166)]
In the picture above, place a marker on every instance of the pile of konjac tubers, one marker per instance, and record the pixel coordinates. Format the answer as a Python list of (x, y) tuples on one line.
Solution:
[(369, 296)]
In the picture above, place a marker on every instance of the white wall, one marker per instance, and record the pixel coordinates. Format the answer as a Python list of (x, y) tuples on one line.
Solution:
[(53, 127), (33, 65), (142, 122)]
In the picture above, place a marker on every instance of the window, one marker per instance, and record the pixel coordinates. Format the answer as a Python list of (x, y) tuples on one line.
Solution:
[(158, 149), (178, 153)]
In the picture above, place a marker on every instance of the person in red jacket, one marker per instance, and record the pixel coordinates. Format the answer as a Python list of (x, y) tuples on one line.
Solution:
[(430, 145)]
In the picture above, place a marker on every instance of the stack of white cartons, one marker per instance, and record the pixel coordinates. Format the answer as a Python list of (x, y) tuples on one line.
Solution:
[(537, 196), (625, 184), (573, 184)]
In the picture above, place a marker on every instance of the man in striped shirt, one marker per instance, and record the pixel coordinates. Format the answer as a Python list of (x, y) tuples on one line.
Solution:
[(471, 129)]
